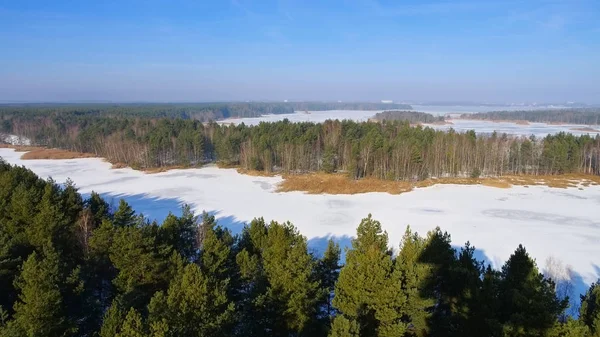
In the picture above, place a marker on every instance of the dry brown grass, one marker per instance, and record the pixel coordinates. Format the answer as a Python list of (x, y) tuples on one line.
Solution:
[(318, 183), (43, 153), (119, 166), (254, 173), (154, 170)]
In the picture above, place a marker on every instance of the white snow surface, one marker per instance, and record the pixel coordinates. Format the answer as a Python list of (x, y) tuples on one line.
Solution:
[(309, 116), (537, 129), (15, 140), (562, 224)]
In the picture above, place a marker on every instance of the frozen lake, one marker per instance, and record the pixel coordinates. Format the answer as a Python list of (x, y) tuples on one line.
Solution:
[(461, 109), (309, 116), (559, 223), (537, 129)]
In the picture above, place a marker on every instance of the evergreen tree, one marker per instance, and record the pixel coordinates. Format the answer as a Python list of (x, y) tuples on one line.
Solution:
[(414, 274), (289, 270), (40, 309), (50, 226), (98, 207), (180, 232), (133, 325), (195, 305), (589, 312), (368, 291), (124, 216), (528, 302), (343, 327), (440, 284), (141, 264), (113, 320), (570, 328), (328, 271)]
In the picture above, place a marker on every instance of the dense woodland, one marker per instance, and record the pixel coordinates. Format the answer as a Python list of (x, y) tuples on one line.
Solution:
[(411, 117), (589, 116), (388, 150), (71, 266), (203, 112)]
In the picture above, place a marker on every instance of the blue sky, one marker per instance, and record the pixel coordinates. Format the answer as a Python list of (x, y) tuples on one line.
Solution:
[(151, 50)]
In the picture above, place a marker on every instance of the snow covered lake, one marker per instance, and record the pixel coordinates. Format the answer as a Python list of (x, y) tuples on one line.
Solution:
[(560, 223), (537, 129)]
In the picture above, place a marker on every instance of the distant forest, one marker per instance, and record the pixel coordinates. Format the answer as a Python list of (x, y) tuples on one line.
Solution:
[(588, 116), (203, 112), (71, 266), (389, 150), (411, 117)]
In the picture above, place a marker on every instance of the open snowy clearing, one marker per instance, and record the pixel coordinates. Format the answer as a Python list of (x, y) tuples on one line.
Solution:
[(559, 223)]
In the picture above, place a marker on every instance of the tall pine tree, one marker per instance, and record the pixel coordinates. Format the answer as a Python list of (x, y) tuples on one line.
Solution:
[(368, 293)]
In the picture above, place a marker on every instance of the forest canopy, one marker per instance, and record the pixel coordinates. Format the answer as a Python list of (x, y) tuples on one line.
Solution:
[(75, 266), (203, 112), (588, 116)]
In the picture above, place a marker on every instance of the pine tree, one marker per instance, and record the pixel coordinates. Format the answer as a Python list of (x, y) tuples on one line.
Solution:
[(414, 274), (368, 290), (589, 312), (528, 302), (343, 327), (40, 311), (289, 270), (98, 207), (195, 305), (328, 271), (50, 226), (113, 319), (254, 314), (180, 233), (124, 215), (570, 328), (141, 263), (133, 325), (439, 255)]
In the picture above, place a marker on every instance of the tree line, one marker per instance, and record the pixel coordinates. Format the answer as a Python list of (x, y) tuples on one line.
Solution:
[(388, 150), (197, 111), (74, 266), (587, 116)]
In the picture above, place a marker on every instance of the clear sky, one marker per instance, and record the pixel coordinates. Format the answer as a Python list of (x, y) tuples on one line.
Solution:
[(200, 50)]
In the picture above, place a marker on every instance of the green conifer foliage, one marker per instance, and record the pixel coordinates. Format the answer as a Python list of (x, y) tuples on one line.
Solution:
[(195, 305), (328, 270), (528, 302), (133, 326), (368, 290), (343, 327), (124, 215), (40, 309), (590, 309)]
